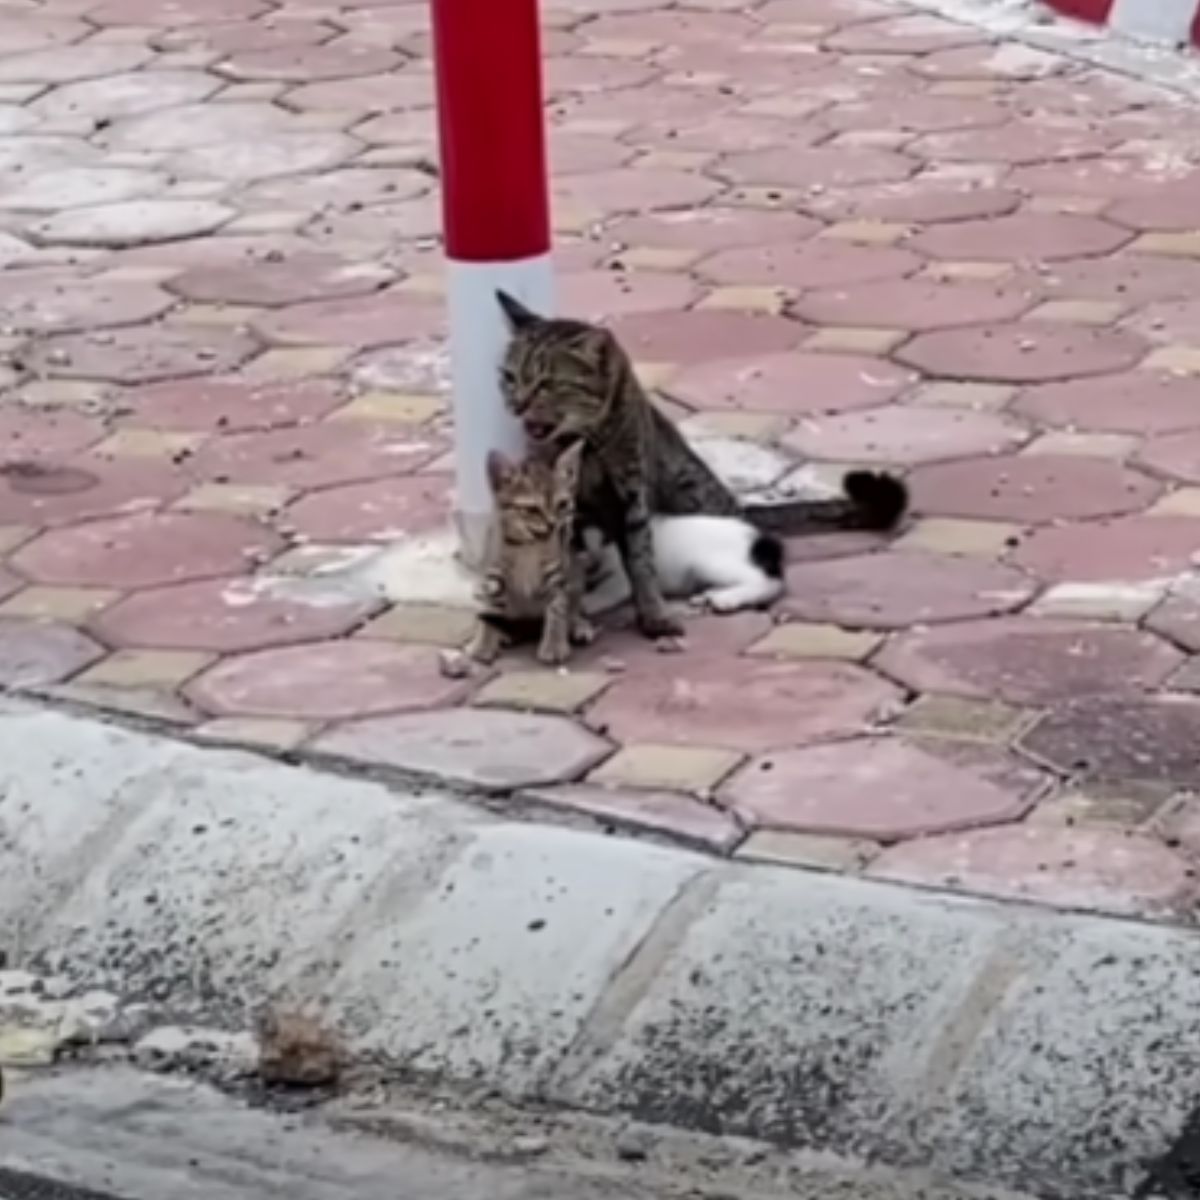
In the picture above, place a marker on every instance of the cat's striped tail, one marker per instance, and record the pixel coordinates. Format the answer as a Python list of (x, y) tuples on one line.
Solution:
[(873, 500)]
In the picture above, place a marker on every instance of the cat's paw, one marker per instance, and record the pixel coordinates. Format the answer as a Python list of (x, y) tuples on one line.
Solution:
[(553, 653), (485, 644), (700, 602), (660, 625), (583, 632)]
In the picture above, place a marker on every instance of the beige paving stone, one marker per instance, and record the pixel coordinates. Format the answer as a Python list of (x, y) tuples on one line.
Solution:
[(1182, 502), (427, 624), (543, 691), (1085, 445), (261, 732), (799, 639), (952, 535), (252, 499), (1179, 360), (401, 407), (1184, 244), (145, 668), (965, 719), (974, 272), (810, 851), (696, 769), (147, 443), (1077, 312), (69, 604), (771, 300), (296, 362), (855, 339), (871, 233), (982, 397)]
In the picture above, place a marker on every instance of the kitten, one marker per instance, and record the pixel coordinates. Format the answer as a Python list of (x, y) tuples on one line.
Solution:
[(723, 564), (569, 380), (532, 573)]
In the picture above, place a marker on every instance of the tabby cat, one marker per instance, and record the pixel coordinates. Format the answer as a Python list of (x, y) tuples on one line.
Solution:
[(532, 574), (568, 380)]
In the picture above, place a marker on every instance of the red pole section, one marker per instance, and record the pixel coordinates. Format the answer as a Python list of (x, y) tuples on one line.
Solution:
[(496, 223)]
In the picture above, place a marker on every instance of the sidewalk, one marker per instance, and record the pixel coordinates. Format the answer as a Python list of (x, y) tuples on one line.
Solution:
[(830, 231)]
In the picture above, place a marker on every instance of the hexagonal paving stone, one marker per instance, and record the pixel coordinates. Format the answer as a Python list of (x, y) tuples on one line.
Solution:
[(826, 262), (28, 434), (1026, 660), (1126, 550), (633, 190), (599, 295), (1032, 353), (379, 319), (1095, 868), (1175, 455), (145, 549), (1178, 617), (1026, 237), (1031, 488), (181, 12), (131, 223), (379, 511), (25, 157), (63, 303), (313, 456), (701, 335), (24, 30), (802, 167), (116, 96), (1168, 209), (483, 748), (920, 201), (897, 589), (327, 681), (49, 494), (790, 383), (229, 405), (1151, 738), (366, 94), (879, 788), (81, 187), (143, 353), (345, 189), (898, 434), (225, 615), (567, 74), (226, 37), (380, 226), (916, 304), (998, 60), (1133, 402), (1168, 321), (191, 125), (64, 64), (779, 703), (306, 63), (1014, 142), (1128, 278), (915, 114), (292, 281), (282, 154), (35, 653), (713, 228)]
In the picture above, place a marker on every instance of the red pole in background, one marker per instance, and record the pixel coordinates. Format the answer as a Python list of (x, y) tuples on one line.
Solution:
[(496, 220)]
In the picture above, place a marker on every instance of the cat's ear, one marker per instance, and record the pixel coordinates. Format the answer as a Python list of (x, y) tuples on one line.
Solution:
[(566, 466), (519, 317), (498, 469)]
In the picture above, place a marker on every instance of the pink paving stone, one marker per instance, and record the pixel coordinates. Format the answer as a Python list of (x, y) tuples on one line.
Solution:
[(180, 12), (819, 167), (1014, 142), (1002, 60), (791, 383), (898, 589), (1178, 618), (685, 819), (920, 201), (670, 28), (80, 187), (414, 127), (308, 278), (815, 264), (35, 653), (1175, 455), (284, 154), (916, 304), (574, 153), (308, 63), (1035, 353), (1026, 660), (64, 64), (226, 615), (633, 189), (346, 189), (1128, 278), (228, 37), (410, 87), (316, 456), (905, 435), (1150, 738), (600, 295), (24, 30), (490, 749), (1113, 177), (144, 550), (916, 114), (723, 135), (27, 434), (382, 510), (379, 319), (704, 334), (918, 34), (578, 73), (1031, 489), (116, 96), (632, 105), (1128, 549), (1024, 237), (59, 494), (229, 405), (1173, 321), (1089, 868), (381, 226), (54, 302), (142, 354), (191, 125), (327, 681), (881, 788), (713, 228), (686, 702), (1141, 402), (1168, 210), (130, 223)]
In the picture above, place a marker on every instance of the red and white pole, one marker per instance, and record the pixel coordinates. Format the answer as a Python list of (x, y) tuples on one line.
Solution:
[(496, 221)]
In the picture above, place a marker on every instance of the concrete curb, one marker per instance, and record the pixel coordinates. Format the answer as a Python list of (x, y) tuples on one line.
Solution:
[(1051, 1052)]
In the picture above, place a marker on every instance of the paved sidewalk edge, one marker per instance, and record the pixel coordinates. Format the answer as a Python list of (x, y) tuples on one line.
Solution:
[(1048, 1051)]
